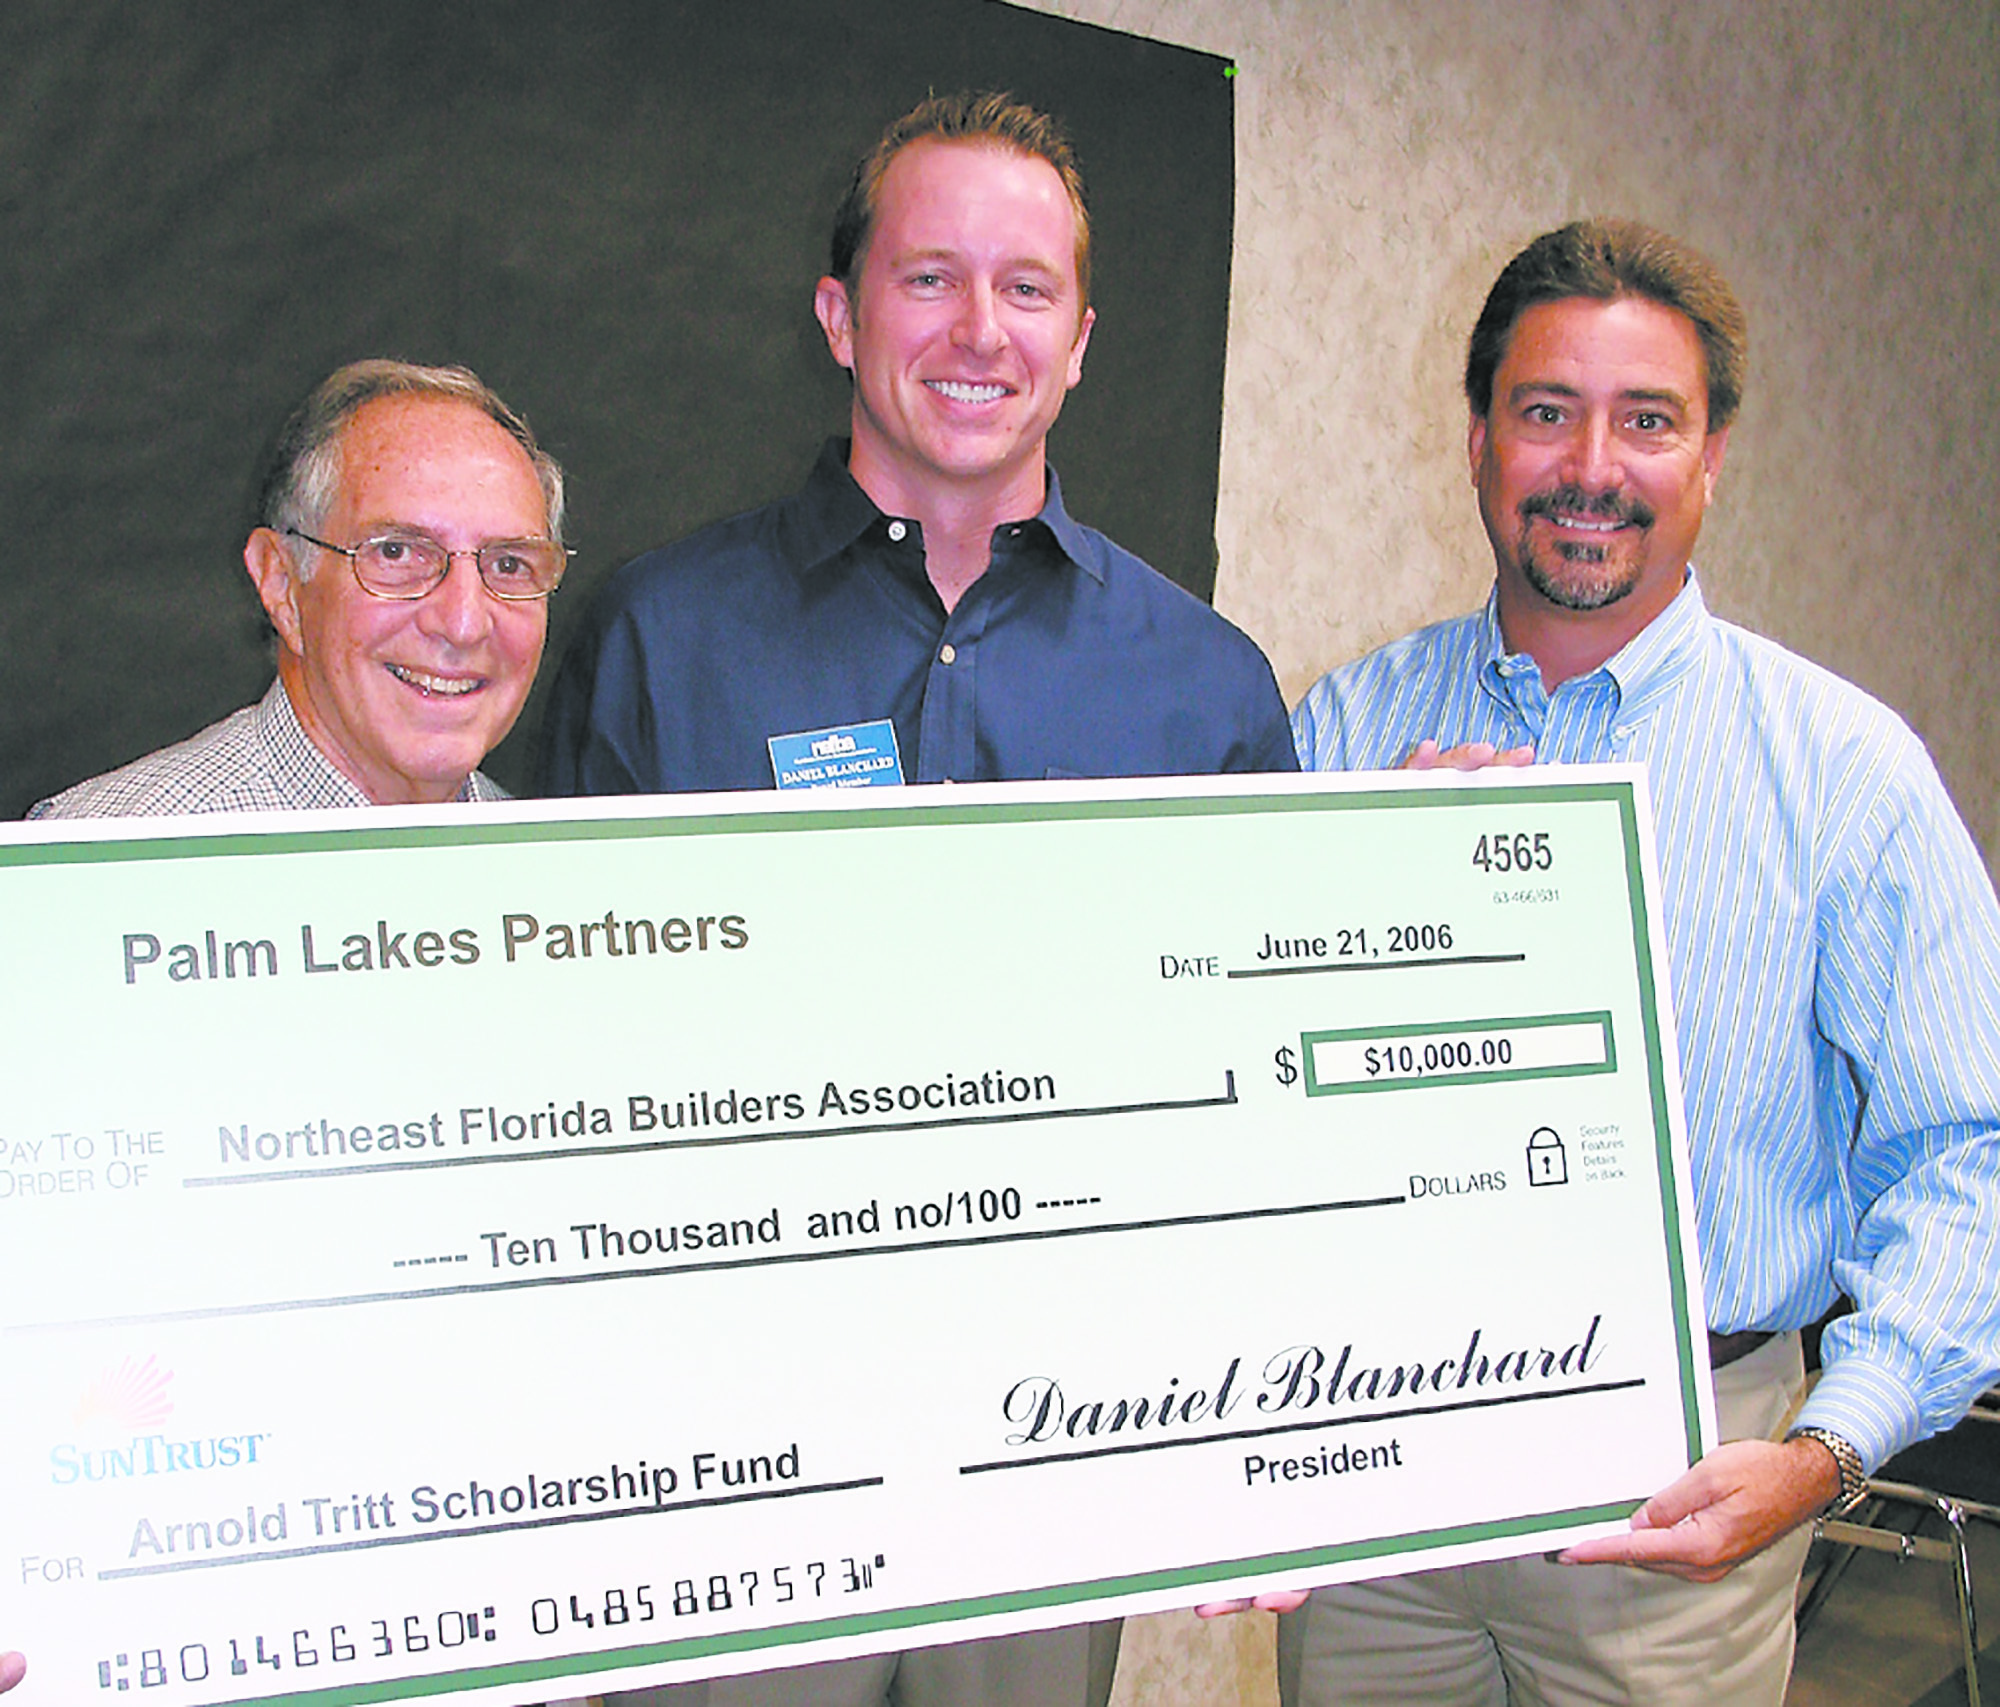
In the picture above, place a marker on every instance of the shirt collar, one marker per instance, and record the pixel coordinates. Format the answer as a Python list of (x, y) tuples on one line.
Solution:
[(833, 512), (1082, 547), (304, 773), (1640, 672), (308, 777)]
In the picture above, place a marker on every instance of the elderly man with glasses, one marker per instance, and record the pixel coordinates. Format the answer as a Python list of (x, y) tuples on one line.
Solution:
[(401, 667)]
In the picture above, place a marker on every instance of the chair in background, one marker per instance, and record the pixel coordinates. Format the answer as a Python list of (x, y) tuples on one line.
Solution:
[(1954, 1478)]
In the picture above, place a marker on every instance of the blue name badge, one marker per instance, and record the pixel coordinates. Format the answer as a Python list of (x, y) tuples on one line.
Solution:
[(855, 755)]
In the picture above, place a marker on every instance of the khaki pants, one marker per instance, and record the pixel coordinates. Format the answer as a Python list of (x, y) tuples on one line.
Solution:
[(1537, 1634)]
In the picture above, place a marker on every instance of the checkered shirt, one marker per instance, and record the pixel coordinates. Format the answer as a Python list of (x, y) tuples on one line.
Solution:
[(255, 760)]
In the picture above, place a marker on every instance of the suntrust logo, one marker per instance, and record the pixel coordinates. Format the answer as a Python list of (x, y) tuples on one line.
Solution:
[(133, 1395), (128, 1399), (151, 1455)]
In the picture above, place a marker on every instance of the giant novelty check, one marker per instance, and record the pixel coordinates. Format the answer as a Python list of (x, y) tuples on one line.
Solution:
[(543, 1249)]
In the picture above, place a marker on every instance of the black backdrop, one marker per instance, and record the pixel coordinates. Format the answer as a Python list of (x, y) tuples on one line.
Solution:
[(613, 209)]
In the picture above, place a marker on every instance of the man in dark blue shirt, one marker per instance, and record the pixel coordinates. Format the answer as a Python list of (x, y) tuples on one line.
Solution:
[(926, 596), (924, 611)]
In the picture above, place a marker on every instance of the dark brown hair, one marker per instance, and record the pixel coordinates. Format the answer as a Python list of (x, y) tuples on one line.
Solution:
[(1604, 259)]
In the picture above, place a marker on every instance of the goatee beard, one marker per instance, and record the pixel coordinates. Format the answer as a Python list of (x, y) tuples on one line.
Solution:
[(1586, 577)]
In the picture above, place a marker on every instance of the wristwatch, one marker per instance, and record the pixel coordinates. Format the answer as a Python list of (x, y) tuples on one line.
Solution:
[(1853, 1474)]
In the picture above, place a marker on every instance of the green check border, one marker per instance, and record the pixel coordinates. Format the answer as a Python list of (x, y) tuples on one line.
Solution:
[(238, 842), (775, 1639)]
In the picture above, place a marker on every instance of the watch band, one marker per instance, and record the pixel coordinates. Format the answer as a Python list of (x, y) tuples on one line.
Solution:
[(1853, 1473)]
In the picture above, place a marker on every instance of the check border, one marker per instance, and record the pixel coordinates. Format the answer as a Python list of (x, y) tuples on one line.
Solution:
[(467, 831)]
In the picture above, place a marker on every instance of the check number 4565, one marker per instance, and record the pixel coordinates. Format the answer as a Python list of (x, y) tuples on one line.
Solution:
[(1523, 850)]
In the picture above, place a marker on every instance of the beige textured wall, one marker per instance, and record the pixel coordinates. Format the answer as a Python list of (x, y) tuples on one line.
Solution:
[(1839, 159)]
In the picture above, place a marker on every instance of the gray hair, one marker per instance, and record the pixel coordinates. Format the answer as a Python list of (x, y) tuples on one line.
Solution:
[(302, 472)]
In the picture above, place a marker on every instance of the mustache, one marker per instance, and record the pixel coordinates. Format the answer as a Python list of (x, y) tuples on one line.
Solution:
[(1598, 507)]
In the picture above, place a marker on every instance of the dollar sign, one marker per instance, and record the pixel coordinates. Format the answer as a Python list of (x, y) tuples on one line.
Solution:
[(1372, 1063), (1288, 1065)]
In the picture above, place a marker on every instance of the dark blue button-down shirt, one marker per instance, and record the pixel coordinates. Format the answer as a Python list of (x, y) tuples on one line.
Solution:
[(1067, 657)]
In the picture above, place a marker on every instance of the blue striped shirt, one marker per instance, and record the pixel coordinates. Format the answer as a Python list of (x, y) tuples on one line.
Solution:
[(1835, 946)]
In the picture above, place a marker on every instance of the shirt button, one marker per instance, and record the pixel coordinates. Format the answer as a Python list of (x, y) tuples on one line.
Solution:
[(947, 653), (897, 530)]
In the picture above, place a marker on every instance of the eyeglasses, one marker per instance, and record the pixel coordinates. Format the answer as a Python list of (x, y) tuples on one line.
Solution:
[(409, 565)]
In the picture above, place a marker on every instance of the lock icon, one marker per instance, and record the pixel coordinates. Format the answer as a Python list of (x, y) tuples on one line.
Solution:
[(1548, 1162)]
